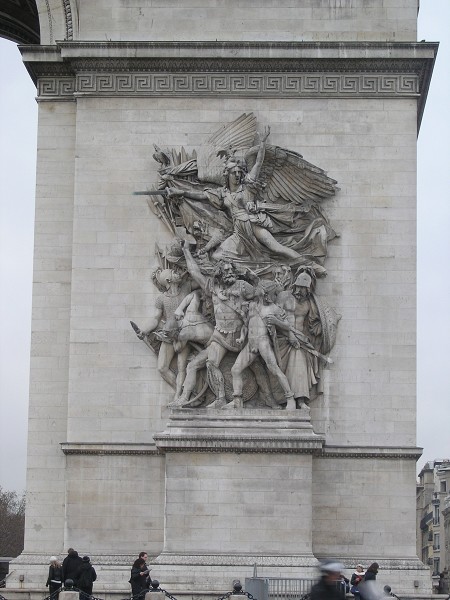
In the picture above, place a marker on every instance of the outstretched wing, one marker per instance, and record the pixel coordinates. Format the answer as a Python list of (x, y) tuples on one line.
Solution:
[(236, 136), (290, 178)]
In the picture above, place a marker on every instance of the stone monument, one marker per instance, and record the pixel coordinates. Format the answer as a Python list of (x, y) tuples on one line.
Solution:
[(237, 180)]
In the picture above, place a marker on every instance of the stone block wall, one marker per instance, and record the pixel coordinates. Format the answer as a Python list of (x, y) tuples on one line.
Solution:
[(52, 280), (256, 20)]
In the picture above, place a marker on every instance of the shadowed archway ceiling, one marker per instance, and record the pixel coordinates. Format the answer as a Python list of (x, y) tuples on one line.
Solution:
[(19, 21)]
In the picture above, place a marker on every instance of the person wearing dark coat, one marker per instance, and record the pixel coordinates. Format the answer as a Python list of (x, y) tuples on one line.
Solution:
[(71, 565), (54, 580), (139, 578), (328, 586), (371, 573), (85, 577)]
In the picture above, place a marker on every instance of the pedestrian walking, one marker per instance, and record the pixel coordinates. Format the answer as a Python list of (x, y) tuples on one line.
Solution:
[(328, 586)]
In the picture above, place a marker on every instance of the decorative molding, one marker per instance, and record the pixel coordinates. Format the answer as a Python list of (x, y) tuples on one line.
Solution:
[(50, 21), (259, 430), (235, 442), (302, 85), (373, 69), (56, 88), (68, 19), (168, 558), (305, 85), (236, 560), (386, 564), (371, 452), (100, 449), (169, 442), (411, 563), (254, 444), (390, 47), (169, 64)]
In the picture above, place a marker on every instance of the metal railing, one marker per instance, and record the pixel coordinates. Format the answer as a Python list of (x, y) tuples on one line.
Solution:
[(279, 588), (289, 588)]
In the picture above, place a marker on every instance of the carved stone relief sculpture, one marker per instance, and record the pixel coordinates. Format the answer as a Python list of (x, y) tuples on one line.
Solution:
[(238, 323)]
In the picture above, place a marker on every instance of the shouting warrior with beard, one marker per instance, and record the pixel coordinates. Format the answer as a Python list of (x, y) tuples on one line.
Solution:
[(229, 297)]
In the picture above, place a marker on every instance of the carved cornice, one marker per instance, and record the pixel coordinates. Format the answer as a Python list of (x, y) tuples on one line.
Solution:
[(245, 65), (100, 449), (258, 444), (223, 46), (241, 442), (371, 452), (245, 69)]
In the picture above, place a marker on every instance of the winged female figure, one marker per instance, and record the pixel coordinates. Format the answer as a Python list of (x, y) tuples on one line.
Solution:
[(268, 206)]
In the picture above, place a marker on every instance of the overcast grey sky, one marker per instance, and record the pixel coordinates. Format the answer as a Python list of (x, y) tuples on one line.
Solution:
[(18, 122)]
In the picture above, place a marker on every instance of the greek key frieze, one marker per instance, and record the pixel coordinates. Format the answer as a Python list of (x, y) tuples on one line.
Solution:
[(56, 87), (261, 84), (233, 84)]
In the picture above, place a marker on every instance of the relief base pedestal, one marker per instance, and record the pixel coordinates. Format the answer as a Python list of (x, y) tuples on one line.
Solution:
[(238, 493)]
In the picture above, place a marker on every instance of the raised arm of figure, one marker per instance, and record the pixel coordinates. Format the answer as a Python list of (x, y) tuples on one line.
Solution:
[(193, 195), (193, 268), (254, 173)]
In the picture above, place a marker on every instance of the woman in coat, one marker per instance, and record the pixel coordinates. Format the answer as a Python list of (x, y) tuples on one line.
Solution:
[(54, 580)]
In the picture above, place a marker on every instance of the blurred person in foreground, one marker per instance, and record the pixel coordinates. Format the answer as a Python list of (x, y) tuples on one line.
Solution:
[(367, 589), (328, 587)]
